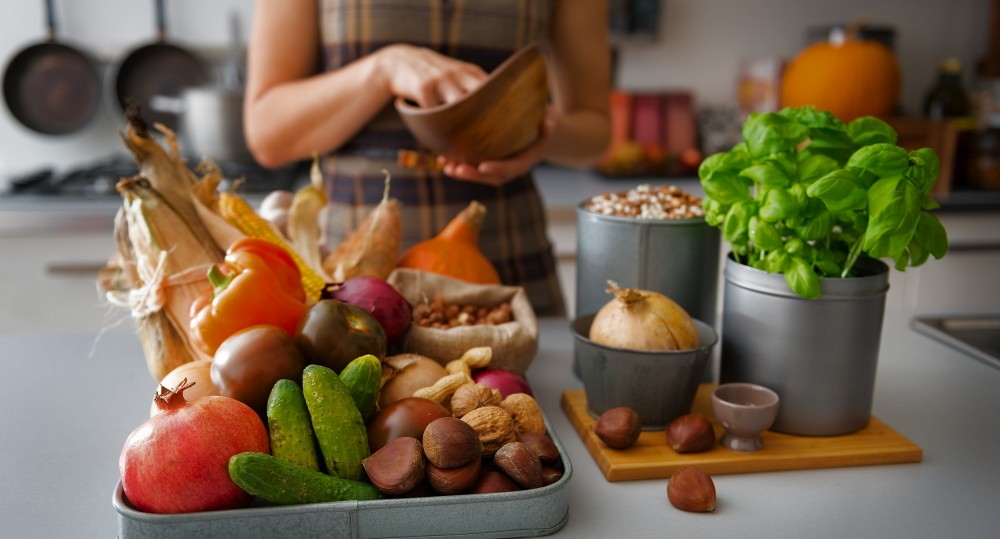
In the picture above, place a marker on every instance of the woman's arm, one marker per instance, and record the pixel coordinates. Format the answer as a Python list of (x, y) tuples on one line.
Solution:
[(577, 127), (290, 111)]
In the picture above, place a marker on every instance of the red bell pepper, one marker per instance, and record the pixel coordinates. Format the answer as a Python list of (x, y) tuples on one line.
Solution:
[(258, 283)]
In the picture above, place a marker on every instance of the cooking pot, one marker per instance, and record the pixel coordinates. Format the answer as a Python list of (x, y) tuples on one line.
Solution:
[(210, 120), (50, 87)]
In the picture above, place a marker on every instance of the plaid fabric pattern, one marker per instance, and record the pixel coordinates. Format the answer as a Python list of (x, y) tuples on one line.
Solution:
[(485, 32)]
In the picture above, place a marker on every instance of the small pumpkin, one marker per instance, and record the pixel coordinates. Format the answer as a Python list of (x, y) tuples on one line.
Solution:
[(455, 251), (847, 76)]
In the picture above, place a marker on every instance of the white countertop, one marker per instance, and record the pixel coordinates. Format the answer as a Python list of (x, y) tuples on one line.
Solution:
[(71, 400)]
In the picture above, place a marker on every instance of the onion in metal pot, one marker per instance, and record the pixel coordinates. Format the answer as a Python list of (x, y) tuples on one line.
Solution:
[(643, 320)]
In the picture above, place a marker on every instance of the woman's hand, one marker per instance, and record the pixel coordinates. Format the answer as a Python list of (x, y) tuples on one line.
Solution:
[(501, 171), (426, 77)]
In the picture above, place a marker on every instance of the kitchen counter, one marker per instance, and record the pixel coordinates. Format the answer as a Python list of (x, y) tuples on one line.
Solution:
[(71, 400)]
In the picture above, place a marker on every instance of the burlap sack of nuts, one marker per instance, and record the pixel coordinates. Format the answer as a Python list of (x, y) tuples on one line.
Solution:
[(514, 343)]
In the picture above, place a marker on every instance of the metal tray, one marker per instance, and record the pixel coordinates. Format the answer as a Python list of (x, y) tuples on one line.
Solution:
[(975, 335), (526, 513)]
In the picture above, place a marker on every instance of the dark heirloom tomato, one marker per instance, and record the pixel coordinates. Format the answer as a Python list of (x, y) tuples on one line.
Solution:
[(332, 333), (250, 361), (405, 417)]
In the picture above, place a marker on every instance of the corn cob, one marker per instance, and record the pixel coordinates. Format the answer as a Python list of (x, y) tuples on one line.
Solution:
[(237, 212)]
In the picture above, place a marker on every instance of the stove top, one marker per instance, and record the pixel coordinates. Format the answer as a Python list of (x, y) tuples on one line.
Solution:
[(97, 179)]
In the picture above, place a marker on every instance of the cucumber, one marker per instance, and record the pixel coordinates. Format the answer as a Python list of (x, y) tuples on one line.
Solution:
[(363, 378), (283, 483), (340, 431), (290, 427)]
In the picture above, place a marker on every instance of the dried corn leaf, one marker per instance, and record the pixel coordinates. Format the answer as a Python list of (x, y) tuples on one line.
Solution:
[(205, 196), (303, 219)]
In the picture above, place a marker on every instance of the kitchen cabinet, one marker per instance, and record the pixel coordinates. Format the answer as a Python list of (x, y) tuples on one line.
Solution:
[(48, 283)]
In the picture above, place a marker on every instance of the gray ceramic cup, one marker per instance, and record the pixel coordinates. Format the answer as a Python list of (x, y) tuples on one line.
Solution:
[(659, 386), (745, 411)]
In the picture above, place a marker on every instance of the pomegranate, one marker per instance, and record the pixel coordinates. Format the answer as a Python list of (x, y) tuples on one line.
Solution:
[(177, 461)]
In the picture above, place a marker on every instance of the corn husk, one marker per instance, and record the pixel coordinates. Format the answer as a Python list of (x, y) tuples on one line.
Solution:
[(372, 248), (303, 219), (205, 196)]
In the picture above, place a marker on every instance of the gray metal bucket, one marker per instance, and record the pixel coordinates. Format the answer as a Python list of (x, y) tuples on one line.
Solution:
[(820, 355), (678, 258)]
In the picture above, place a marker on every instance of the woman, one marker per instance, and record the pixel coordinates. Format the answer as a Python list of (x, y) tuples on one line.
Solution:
[(322, 76)]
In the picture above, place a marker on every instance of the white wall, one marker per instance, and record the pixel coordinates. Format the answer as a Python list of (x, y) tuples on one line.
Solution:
[(700, 47)]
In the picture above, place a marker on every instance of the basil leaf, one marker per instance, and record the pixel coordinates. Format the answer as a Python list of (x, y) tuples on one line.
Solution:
[(931, 235), (924, 168), (893, 211), (816, 228), (918, 254), (778, 204), (827, 266), (929, 203), (881, 159), (776, 262), (815, 167), (840, 191), (737, 224), (812, 117), (870, 130), (802, 279), (764, 235), (767, 173), (769, 132), (715, 211), (727, 187)]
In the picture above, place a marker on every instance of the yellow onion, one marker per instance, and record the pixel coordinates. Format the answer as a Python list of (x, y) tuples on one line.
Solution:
[(643, 320)]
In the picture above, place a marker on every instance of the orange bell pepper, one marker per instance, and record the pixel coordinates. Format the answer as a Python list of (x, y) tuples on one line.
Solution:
[(255, 285)]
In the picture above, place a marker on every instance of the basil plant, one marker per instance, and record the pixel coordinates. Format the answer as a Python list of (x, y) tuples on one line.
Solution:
[(805, 195)]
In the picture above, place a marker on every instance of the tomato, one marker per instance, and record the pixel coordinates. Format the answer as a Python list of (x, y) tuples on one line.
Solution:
[(405, 417), (250, 361), (332, 333)]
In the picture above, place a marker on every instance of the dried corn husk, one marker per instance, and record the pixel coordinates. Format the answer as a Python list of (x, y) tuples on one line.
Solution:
[(205, 195), (373, 247), (303, 219)]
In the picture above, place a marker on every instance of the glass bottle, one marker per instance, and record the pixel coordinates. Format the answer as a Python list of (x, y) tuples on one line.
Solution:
[(948, 98)]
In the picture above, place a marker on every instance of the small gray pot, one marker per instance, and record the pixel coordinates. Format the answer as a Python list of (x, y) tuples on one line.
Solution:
[(659, 386), (820, 355)]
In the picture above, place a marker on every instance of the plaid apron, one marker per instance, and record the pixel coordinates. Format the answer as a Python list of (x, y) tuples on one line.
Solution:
[(485, 32)]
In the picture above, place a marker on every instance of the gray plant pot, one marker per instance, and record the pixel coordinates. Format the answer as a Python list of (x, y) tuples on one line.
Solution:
[(820, 355)]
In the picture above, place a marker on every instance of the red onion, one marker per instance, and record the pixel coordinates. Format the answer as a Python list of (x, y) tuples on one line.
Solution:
[(178, 460), (380, 299), (504, 381)]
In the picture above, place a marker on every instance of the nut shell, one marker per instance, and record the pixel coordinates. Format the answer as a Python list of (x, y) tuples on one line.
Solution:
[(691, 489), (525, 411), (454, 480), (470, 396), (522, 465), (494, 426), (397, 467), (618, 428), (542, 445), (691, 433), (449, 442)]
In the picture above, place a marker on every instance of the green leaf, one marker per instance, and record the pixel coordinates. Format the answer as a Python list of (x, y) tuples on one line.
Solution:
[(894, 208), (931, 235), (870, 130), (816, 228), (778, 204), (769, 132), (813, 118), (726, 186), (737, 225), (924, 168), (815, 167), (827, 266), (800, 248), (776, 262), (882, 160), (918, 254), (715, 211), (767, 173), (764, 235), (840, 191), (929, 203), (802, 279)]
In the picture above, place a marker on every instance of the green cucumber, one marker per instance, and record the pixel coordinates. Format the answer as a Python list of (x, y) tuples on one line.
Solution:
[(363, 378), (290, 426), (339, 429), (283, 483)]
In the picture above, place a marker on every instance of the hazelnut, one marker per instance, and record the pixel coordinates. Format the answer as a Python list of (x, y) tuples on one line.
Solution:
[(470, 396), (450, 442), (525, 411), (618, 428), (520, 463), (494, 480), (494, 425), (542, 445), (454, 480), (691, 433), (691, 489), (397, 467)]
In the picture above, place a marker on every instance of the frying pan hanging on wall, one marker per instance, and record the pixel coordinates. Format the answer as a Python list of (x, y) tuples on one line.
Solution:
[(50, 87), (157, 68)]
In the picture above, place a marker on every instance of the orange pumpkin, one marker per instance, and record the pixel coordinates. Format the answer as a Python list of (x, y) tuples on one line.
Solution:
[(847, 76), (455, 251)]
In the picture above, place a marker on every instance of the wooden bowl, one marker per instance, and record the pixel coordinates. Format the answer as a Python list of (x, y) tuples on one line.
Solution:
[(496, 120)]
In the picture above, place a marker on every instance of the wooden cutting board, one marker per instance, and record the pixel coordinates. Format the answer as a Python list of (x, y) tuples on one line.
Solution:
[(653, 458)]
